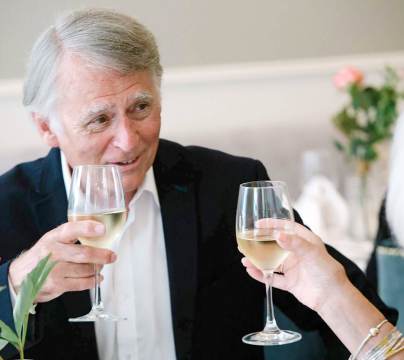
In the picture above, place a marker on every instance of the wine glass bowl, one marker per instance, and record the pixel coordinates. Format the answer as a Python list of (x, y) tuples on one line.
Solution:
[(263, 215), (96, 193)]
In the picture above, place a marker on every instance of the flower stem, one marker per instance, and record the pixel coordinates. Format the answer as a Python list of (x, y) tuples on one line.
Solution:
[(363, 169), (21, 351)]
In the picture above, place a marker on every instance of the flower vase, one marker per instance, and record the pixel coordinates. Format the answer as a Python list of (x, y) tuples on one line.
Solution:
[(364, 193)]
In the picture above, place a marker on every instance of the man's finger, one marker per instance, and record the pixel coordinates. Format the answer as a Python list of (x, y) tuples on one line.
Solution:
[(72, 270), (82, 254), (69, 232)]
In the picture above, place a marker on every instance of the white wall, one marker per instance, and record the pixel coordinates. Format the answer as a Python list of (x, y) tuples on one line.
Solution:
[(200, 32)]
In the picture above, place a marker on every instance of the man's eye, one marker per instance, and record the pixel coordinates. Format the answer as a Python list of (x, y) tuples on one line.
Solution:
[(99, 120), (142, 106), (97, 124)]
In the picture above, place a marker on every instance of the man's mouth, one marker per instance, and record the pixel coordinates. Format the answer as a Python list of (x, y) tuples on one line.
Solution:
[(126, 163)]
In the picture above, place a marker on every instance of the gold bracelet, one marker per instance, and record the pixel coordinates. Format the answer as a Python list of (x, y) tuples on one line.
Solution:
[(372, 333), (391, 344)]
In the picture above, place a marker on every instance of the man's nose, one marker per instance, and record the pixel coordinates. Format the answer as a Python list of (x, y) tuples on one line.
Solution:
[(126, 135)]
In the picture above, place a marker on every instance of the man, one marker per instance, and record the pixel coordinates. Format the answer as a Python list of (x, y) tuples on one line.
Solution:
[(93, 89)]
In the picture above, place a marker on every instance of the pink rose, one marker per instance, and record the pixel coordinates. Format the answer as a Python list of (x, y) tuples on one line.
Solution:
[(348, 76)]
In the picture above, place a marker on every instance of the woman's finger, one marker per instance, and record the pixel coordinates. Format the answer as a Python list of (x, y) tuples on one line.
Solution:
[(279, 281), (252, 270), (295, 244), (307, 234)]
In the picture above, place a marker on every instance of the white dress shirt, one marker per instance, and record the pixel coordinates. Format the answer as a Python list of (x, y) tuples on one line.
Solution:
[(136, 286)]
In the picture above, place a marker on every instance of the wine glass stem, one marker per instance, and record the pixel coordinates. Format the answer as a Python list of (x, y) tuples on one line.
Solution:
[(270, 325), (97, 302)]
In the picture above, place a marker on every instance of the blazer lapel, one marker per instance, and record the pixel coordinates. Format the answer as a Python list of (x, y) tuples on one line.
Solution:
[(49, 198), (176, 184)]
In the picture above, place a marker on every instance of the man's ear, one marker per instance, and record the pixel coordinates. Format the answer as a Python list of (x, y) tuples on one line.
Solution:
[(46, 132)]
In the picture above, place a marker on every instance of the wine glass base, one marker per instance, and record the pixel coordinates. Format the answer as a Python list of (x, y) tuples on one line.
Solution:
[(268, 339), (94, 316)]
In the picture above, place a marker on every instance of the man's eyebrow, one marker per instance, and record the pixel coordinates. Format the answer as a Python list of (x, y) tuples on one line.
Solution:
[(143, 95), (95, 110)]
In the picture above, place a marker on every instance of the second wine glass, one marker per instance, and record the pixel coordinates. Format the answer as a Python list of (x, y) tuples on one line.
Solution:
[(96, 193), (263, 214)]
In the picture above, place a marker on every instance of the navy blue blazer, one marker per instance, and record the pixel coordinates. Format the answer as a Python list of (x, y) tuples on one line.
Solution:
[(214, 303)]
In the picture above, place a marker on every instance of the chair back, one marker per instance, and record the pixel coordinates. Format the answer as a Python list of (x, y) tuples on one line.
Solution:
[(390, 273)]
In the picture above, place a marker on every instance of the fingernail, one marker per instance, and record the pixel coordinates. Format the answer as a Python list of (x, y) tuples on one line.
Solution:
[(113, 257)]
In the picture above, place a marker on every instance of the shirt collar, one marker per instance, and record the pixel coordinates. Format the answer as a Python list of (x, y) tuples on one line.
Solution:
[(148, 184), (67, 176)]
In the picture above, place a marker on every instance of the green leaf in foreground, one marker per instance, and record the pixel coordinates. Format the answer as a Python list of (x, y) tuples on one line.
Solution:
[(3, 344), (28, 293), (6, 333)]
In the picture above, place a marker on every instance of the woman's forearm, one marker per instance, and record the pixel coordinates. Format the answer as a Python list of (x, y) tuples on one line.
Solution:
[(350, 316)]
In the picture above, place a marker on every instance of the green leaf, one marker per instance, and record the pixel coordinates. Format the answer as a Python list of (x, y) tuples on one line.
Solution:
[(6, 333), (357, 148), (3, 344), (43, 275), (391, 76), (339, 146), (345, 123), (23, 303), (28, 292), (370, 153)]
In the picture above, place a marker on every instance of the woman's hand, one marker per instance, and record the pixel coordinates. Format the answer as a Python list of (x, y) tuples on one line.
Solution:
[(308, 271)]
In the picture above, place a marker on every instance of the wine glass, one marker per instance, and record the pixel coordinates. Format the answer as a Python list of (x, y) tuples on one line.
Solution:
[(96, 193), (263, 213)]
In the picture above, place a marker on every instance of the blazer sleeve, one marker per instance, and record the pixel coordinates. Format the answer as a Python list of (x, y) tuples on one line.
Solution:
[(261, 174), (6, 308)]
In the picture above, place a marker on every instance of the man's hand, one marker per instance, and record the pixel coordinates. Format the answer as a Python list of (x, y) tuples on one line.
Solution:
[(75, 268), (309, 272)]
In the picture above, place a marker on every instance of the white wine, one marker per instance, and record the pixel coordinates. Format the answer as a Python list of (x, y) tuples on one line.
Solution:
[(261, 248), (113, 222)]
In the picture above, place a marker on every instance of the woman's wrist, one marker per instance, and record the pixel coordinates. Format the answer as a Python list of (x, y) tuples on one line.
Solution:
[(350, 315), (337, 294), (334, 284)]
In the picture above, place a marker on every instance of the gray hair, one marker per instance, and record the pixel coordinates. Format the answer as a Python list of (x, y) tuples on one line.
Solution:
[(104, 38)]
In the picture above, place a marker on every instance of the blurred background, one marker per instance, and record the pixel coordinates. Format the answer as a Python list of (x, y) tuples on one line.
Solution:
[(252, 78)]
